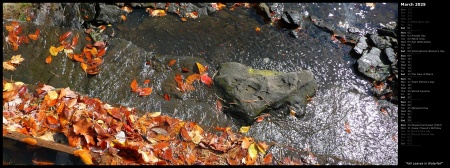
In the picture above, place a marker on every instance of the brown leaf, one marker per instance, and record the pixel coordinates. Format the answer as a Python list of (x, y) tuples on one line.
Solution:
[(246, 142), (184, 70), (184, 134), (161, 145), (29, 141), (82, 126)]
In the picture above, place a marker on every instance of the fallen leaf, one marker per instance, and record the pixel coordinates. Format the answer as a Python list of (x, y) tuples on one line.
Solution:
[(33, 36), (191, 78), (206, 79), (154, 114), (123, 18), (29, 141), (53, 50), (82, 126), (166, 96), (17, 59), (347, 127), (184, 70), (183, 19), (252, 151), (134, 86), (201, 69), (171, 62), (262, 147), (84, 66), (48, 60), (147, 81), (84, 155), (52, 95), (64, 36), (8, 66), (145, 91), (257, 29), (268, 159), (246, 141), (244, 129)]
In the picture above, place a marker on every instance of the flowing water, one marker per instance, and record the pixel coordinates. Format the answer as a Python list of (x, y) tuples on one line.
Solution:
[(343, 98)]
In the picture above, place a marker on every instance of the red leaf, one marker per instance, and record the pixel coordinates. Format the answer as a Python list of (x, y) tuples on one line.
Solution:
[(166, 96), (64, 36), (161, 145), (146, 81), (206, 79), (184, 70)]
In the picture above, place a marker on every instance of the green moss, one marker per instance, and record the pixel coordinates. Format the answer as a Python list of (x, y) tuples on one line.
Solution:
[(262, 72)]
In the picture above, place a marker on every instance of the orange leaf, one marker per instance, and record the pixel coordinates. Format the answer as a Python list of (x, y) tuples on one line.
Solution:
[(52, 120), (29, 141), (347, 127), (48, 60), (134, 86), (94, 51), (81, 126), (161, 145), (101, 52), (206, 79), (146, 81), (246, 142), (88, 38), (171, 62), (201, 68), (184, 70), (191, 158), (78, 57), (179, 79), (145, 91), (83, 66), (33, 36), (183, 19), (218, 105), (74, 41), (37, 32), (257, 29), (191, 78), (185, 134), (268, 159), (84, 155), (166, 96)]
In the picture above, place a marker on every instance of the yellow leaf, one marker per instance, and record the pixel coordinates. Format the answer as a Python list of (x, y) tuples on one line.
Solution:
[(8, 66), (244, 129), (53, 51), (201, 68), (68, 51), (84, 155), (155, 114), (17, 59), (261, 149), (52, 95), (7, 87), (60, 48), (252, 151), (84, 66)]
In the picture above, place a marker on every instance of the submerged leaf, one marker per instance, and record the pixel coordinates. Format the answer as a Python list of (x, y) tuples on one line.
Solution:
[(206, 79), (48, 60), (166, 96), (171, 62), (134, 86), (145, 91), (8, 66), (17, 59)]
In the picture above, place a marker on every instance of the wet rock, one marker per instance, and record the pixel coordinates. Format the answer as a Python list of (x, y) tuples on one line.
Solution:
[(371, 65), (202, 11), (388, 30), (321, 24), (250, 91), (263, 10), (380, 42), (72, 18), (210, 9), (160, 5), (292, 19), (142, 5), (87, 11), (361, 45), (173, 7), (186, 8), (391, 54), (50, 14), (353, 30), (293, 33), (109, 13)]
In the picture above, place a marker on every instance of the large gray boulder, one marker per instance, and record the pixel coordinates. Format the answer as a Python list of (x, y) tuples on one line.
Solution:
[(248, 92), (371, 65)]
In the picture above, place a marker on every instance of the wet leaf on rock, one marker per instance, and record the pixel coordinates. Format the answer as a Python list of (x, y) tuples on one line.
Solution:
[(84, 155), (48, 60), (29, 141), (244, 129)]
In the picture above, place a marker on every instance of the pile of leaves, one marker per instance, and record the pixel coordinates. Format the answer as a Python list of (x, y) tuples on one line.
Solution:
[(15, 39), (104, 134)]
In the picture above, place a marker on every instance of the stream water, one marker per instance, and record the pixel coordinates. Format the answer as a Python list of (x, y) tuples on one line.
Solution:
[(343, 97)]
